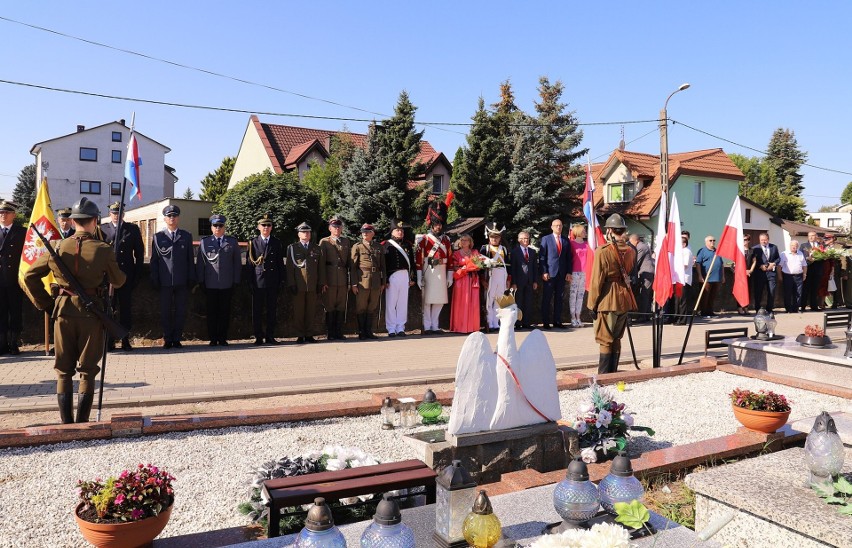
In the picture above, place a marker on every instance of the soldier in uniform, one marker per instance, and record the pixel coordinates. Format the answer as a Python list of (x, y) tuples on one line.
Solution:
[(303, 275), (368, 279), (336, 262), (399, 266), (265, 265), (173, 273), (63, 221), (12, 236), (497, 277), (79, 333), (218, 269), (610, 295), (130, 256), (433, 258)]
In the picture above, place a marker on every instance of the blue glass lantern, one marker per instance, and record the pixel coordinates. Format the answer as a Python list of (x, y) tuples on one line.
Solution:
[(576, 499), (387, 529), (319, 530), (620, 485)]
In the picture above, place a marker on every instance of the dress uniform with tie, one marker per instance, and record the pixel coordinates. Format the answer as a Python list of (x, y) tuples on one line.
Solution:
[(173, 273), (303, 275), (130, 254), (399, 265), (265, 265), (368, 278), (217, 269), (63, 221), (336, 262), (12, 238)]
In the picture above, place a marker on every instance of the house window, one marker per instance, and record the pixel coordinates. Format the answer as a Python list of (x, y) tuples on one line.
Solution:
[(748, 214), (437, 184), (90, 187), (115, 189), (621, 192), (88, 154), (204, 228), (833, 222), (116, 136), (116, 156), (698, 196)]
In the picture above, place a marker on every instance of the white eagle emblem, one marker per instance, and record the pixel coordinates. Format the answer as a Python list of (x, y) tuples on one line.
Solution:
[(33, 246)]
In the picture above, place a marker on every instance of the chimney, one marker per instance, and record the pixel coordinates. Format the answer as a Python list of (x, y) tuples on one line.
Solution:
[(80, 128), (122, 122)]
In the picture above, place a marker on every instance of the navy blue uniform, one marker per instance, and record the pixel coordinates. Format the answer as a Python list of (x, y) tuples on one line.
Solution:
[(265, 265), (172, 272), (130, 256), (218, 270)]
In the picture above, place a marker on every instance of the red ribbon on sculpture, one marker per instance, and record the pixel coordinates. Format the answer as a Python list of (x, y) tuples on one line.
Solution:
[(518, 384)]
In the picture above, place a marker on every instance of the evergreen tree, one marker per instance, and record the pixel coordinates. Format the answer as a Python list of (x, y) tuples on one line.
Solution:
[(457, 181), (188, 195), (215, 184), (360, 187), (846, 195), (24, 193), (785, 158)]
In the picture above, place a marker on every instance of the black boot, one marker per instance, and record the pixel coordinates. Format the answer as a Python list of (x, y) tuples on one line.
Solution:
[(613, 366), (603, 363), (362, 329), (84, 407), (14, 337), (329, 326), (368, 326), (338, 326), (4, 344), (66, 407)]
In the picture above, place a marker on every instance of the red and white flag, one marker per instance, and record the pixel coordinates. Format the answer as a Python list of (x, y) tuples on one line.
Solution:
[(669, 275), (730, 247), (595, 237)]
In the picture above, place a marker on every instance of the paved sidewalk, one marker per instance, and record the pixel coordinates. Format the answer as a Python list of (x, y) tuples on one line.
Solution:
[(198, 372)]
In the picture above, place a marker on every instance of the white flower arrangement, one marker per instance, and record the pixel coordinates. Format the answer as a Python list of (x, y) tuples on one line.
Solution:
[(601, 535)]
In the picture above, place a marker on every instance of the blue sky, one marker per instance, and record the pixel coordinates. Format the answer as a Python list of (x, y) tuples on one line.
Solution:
[(753, 66)]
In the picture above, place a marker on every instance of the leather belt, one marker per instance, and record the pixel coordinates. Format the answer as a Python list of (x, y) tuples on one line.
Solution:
[(370, 269), (65, 291)]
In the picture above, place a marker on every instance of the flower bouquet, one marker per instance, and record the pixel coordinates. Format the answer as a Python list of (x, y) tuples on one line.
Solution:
[(814, 336), (828, 254), (473, 263), (603, 425), (134, 495)]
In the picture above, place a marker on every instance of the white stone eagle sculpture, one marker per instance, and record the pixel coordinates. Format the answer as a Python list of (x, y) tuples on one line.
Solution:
[(487, 395)]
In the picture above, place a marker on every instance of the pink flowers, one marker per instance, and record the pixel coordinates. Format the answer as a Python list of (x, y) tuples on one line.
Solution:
[(136, 494)]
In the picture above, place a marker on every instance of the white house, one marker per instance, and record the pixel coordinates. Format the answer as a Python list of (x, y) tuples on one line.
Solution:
[(194, 217), (90, 162), (756, 219), (839, 219)]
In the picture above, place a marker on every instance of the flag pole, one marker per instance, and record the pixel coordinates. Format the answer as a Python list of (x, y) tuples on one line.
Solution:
[(46, 334)]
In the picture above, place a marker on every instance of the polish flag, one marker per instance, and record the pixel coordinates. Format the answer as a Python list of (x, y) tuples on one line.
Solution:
[(669, 276), (595, 237), (731, 248), (131, 167)]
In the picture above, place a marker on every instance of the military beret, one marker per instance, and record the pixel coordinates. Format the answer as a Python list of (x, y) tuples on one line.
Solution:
[(304, 227), (64, 213), (8, 205), (335, 221), (217, 219), (367, 227), (116, 206), (170, 210), (264, 219), (398, 223)]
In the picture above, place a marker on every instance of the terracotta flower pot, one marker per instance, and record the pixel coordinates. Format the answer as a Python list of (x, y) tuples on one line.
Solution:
[(761, 421), (132, 534)]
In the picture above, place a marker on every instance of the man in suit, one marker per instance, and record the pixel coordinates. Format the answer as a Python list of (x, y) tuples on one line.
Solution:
[(810, 290), (523, 271), (12, 236), (218, 269), (367, 279), (303, 275), (767, 259), (555, 262), (131, 256), (172, 273), (63, 221), (265, 265), (642, 277), (399, 267), (336, 261)]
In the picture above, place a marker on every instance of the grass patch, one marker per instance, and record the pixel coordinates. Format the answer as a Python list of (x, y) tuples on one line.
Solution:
[(668, 495)]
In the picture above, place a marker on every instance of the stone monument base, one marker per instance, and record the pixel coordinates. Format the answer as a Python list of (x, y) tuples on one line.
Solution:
[(787, 357), (488, 455)]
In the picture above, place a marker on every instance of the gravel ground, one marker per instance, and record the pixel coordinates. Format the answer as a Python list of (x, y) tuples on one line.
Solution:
[(213, 467)]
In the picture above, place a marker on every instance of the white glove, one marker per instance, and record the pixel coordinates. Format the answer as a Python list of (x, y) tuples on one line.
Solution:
[(449, 280), (420, 280)]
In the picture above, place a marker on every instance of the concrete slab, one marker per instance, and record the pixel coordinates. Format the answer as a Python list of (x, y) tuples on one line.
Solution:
[(843, 421)]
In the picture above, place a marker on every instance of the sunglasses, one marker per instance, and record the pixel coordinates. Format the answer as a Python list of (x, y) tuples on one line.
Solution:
[(218, 226), (265, 224)]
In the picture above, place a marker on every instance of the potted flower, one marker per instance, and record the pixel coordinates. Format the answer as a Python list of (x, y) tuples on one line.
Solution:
[(814, 336), (761, 411), (125, 511), (603, 426)]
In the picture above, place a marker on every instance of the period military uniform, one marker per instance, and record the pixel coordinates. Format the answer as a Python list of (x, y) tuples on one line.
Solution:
[(130, 254), (368, 276), (217, 269), (265, 265), (12, 236), (173, 273), (303, 274), (79, 333), (399, 265), (497, 276), (610, 295), (433, 257), (64, 214), (336, 262)]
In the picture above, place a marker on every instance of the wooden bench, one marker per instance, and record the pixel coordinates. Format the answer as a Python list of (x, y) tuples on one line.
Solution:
[(350, 482), (713, 337), (836, 318)]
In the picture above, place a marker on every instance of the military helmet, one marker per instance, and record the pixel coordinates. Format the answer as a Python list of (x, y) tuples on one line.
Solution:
[(85, 209), (615, 221)]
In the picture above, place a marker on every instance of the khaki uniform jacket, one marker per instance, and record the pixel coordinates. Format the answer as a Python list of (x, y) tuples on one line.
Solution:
[(303, 267), (336, 261), (87, 259), (608, 291), (368, 265)]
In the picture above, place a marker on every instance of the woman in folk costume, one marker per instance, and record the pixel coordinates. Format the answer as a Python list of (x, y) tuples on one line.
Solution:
[(433, 259), (464, 311), (496, 279), (579, 249)]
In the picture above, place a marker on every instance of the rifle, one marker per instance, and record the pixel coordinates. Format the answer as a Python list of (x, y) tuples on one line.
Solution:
[(624, 274), (113, 327)]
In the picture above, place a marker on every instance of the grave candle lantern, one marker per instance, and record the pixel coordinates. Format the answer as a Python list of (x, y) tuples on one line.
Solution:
[(388, 414), (620, 485), (319, 530), (430, 409), (481, 527), (455, 491), (575, 498), (824, 454), (760, 324), (387, 529), (848, 352)]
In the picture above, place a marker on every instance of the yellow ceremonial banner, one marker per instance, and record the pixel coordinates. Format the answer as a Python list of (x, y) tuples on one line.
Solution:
[(42, 217)]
